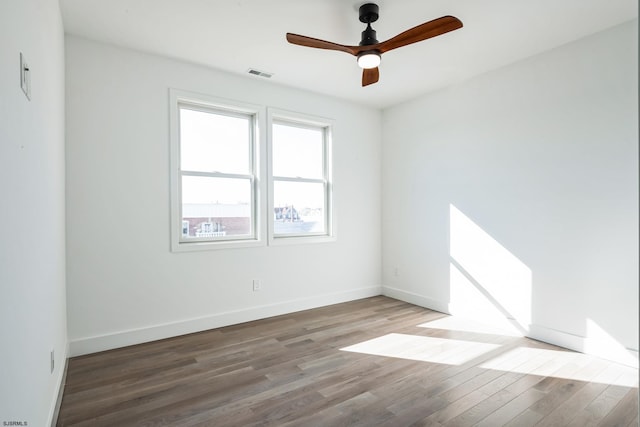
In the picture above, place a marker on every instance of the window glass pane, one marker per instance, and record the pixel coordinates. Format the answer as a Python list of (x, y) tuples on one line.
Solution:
[(212, 142), (297, 152), (298, 207), (215, 207)]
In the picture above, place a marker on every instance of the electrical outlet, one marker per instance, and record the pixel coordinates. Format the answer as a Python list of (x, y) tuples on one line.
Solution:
[(257, 285), (396, 271), (53, 361)]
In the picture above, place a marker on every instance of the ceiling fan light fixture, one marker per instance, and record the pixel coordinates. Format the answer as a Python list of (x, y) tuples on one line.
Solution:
[(368, 60), (369, 50)]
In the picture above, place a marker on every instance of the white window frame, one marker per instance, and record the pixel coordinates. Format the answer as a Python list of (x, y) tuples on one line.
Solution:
[(306, 121), (211, 104)]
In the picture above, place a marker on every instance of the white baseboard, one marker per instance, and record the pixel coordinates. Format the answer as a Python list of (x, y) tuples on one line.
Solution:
[(54, 410), (81, 346), (609, 350), (612, 351), (416, 299)]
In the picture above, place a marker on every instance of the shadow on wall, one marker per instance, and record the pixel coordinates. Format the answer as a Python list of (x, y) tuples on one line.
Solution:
[(490, 285), (487, 282)]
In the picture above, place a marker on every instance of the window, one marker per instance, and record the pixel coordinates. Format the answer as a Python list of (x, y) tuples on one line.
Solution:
[(219, 197), (214, 181), (300, 195)]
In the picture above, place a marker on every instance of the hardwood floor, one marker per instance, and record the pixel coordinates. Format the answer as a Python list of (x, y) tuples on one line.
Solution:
[(371, 362)]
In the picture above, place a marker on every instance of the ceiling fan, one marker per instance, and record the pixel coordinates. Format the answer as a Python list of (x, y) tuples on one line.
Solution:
[(369, 50)]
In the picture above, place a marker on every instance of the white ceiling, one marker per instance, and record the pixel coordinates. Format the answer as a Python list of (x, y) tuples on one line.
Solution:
[(235, 35)]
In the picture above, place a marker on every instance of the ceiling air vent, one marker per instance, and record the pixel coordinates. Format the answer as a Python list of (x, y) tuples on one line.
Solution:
[(259, 73)]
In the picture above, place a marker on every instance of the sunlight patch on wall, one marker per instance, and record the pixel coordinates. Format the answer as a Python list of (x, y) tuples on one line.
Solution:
[(468, 301), (487, 282), (600, 343), (563, 364), (425, 349)]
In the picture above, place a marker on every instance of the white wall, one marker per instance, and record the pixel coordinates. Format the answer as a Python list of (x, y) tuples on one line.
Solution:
[(32, 243), (537, 163), (124, 284)]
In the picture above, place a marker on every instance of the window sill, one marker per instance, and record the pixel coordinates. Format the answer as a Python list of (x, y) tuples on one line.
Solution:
[(215, 245), (300, 240)]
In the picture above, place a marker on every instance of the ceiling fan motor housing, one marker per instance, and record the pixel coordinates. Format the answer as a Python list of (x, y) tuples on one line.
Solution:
[(368, 36), (368, 14)]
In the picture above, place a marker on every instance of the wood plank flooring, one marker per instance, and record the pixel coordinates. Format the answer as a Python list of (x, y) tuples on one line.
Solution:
[(372, 362)]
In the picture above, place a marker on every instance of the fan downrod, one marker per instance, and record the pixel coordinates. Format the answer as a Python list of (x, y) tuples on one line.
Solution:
[(368, 14)]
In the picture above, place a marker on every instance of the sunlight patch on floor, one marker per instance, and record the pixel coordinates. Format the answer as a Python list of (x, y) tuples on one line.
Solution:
[(426, 349), (457, 323), (563, 364), (525, 360)]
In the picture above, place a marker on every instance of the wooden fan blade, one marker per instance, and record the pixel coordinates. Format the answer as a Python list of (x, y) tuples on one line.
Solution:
[(421, 32), (321, 44), (370, 76)]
